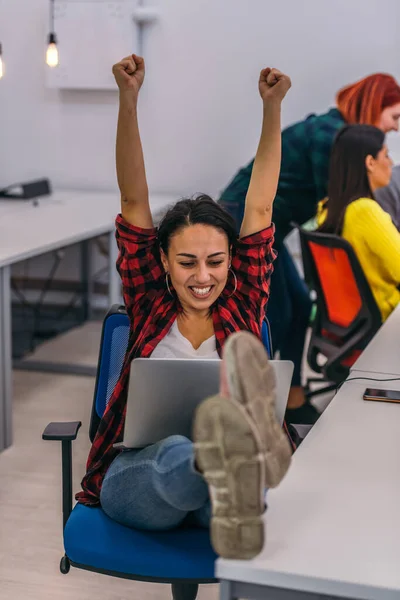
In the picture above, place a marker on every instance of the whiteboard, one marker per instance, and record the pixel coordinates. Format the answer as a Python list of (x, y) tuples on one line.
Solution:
[(92, 35)]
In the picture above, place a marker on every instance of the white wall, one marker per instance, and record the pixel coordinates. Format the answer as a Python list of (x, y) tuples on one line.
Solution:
[(203, 64), (200, 112)]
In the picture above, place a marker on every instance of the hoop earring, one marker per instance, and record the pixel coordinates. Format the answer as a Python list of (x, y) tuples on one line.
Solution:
[(167, 284), (236, 281)]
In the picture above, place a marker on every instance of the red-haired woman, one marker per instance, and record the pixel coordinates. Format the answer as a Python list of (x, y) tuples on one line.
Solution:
[(306, 148)]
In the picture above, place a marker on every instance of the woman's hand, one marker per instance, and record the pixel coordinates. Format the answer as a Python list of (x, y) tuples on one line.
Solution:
[(273, 85), (131, 172), (129, 74)]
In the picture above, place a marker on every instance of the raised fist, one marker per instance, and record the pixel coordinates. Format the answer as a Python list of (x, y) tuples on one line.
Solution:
[(129, 73), (273, 84)]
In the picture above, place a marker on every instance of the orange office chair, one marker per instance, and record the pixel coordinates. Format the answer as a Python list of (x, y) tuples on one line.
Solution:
[(347, 316)]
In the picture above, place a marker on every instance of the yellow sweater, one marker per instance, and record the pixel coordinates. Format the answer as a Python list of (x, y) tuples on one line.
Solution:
[(376, 242)]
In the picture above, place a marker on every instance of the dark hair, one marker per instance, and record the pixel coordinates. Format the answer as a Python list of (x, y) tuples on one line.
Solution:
[(192, 211), (348, 177)]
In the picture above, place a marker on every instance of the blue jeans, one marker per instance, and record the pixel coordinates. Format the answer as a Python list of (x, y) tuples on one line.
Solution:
[(157, 487), (288, 311)]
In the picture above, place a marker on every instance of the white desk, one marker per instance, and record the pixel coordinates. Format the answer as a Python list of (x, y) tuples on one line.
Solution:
[(64, 218), (382, 354), (332, 526)]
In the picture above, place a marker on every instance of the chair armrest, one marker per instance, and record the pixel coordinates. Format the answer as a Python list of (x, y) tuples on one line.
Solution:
[(62, 432)]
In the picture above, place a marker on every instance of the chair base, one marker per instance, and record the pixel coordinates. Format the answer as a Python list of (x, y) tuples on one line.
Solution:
[(330, 387), (184, 591)]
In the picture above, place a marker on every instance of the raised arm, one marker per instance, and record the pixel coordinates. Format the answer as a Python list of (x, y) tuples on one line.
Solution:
[(273, 86), (131, 173)]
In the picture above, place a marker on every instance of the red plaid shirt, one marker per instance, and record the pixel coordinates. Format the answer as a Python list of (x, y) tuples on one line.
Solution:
[(152, 311)]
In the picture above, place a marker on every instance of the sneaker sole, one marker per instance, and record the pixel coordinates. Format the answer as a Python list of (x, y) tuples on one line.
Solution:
[(251, 382), (229, 454)]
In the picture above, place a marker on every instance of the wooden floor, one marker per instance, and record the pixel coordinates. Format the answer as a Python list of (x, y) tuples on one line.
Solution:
[(30, 485)]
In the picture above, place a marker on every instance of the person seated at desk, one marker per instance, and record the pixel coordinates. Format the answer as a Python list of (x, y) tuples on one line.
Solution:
[(187, 287), (360, 165), (303, 180), (389, 197)]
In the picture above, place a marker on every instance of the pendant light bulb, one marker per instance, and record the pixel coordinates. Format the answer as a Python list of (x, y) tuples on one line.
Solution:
[(52, 51)]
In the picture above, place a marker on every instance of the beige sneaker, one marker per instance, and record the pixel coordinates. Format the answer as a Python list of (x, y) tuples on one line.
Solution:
[(230, 456), (248, 378)]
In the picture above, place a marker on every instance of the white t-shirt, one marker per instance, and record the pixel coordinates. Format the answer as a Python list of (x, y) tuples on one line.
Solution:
[(175, 345)]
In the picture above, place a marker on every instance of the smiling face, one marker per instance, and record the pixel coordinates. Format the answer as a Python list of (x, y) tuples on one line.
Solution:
[(198, 261)]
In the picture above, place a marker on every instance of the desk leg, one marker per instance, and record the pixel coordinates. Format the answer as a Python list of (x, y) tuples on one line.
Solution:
[(114, 284), (86, 280), (87, 301), (225, 590), (5, 360)]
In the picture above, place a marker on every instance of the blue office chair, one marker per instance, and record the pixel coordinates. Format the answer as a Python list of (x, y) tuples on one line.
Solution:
[(182, 557)]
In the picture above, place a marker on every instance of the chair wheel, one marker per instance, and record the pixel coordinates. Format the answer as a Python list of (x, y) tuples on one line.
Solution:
[(65, 565), (184, 591)]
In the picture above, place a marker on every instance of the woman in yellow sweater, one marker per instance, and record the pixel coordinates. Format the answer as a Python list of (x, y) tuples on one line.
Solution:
[(359, 165)]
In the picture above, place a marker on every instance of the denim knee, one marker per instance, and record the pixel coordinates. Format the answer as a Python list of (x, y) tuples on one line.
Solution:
[(175, 476)]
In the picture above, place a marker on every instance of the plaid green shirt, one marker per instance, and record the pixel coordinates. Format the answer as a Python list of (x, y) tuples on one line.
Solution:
[(306, 148)]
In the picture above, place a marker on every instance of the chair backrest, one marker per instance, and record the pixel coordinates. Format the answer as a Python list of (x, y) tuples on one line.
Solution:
[(344, 299), (113, 346), (266, 337)]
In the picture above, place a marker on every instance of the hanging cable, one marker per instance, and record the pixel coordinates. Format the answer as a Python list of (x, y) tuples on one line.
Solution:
[(1, 62), (52, 50)]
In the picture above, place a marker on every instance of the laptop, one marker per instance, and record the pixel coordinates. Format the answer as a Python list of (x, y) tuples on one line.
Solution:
[(163, 395)]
